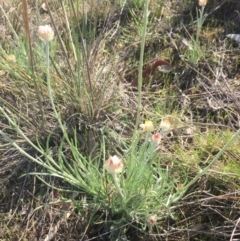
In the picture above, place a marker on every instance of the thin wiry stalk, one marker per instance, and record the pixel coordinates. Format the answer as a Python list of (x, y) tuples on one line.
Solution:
[(145, 23), (60, 39), (87, 65), (69, 31), (30, 56), (9, 24), (50, 91)]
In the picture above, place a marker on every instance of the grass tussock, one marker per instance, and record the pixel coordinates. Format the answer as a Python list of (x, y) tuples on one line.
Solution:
[(123, 126)]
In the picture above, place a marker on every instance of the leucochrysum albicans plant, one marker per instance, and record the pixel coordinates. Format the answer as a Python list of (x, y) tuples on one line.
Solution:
[(132, 186)]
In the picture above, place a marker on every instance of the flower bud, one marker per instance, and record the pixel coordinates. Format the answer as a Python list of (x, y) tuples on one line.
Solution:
[(152, 220), (113, 165), (202, 3), (156, 138), (45, 33)]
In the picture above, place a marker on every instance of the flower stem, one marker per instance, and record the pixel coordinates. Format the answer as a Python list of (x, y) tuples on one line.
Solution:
[(144, 33), (117, 184), (48, 79), (49, 87)]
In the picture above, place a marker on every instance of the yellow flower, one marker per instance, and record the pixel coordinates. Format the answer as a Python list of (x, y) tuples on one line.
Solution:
[(113, 165), (147, 126), (202, 3), (45, 33)]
